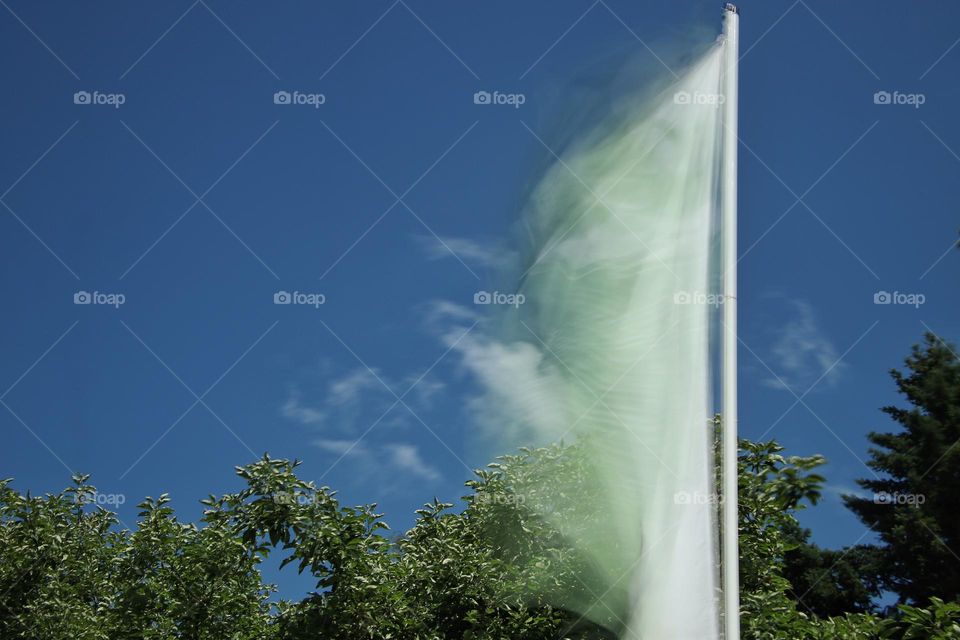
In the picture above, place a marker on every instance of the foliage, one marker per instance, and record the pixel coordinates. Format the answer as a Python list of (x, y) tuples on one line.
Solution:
[(940, 621), (771, 488), (68, 573), (831, 582), (915, 502), (493, 567)]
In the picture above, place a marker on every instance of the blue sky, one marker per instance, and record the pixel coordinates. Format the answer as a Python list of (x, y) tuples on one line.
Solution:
[(198, 198)]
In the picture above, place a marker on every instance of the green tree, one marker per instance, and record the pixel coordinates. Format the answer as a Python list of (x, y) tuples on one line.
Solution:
[(831, 582), (492, 568), (772, 487), (915, 498), (68, 572)]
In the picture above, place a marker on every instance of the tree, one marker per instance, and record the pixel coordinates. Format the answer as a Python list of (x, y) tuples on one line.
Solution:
[(67, 573), (831, 582), (496, 567), (915, 498), (771, 488)]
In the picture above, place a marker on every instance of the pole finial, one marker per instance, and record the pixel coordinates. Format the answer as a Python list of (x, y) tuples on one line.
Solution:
[(732, 8)]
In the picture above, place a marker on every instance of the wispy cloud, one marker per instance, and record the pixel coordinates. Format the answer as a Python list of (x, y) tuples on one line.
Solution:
[(294, 409), (425, 389), (341, 447), (517, 381), (392, 457), (340, 402), (801, 353), (349, 389), (406, 457), (481, 253), (348, 405), (838, 491), (442, 316)]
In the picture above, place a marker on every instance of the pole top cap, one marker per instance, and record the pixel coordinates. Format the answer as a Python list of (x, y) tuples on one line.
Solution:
[(732, 8)]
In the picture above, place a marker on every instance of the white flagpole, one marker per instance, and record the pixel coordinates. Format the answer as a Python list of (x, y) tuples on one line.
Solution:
[(730, 555)]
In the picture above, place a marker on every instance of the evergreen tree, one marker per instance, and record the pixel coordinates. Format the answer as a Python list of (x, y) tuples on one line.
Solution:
[(830, 582), (915, 501)]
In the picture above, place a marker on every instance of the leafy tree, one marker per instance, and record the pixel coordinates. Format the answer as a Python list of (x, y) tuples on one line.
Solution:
[(916, 496), (495, 568), (940, 621), (771, 488), (68, 573), (830, 582)]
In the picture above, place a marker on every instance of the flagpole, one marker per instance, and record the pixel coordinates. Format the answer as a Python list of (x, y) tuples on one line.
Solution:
[(730, 555)]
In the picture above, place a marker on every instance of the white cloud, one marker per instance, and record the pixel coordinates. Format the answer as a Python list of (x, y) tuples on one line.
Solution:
[(348, 389), (839, 491), (294, 409), (342, 401), (381, 459), (354, 402), (425, 388), (518, 382), (442, 315), (485, 254), (406, 457), (341, 447), (801, 354)]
